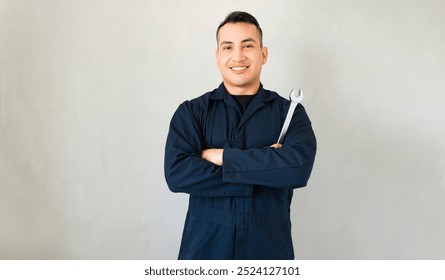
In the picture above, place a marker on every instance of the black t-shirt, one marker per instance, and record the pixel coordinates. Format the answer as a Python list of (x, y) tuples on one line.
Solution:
[(243, 100)]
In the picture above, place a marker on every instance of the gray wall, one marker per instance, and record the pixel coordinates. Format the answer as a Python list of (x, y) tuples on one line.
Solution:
[(87, 90)]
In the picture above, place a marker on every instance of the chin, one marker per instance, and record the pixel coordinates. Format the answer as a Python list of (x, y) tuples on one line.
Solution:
[(240, 83)]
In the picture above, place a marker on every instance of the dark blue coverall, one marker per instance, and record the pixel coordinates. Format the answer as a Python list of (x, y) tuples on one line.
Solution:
[(240, 210)]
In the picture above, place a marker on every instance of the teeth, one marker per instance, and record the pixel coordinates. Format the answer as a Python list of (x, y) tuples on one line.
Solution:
[(239, 68)]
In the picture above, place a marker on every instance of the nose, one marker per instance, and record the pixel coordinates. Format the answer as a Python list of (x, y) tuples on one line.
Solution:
[(238, 55)]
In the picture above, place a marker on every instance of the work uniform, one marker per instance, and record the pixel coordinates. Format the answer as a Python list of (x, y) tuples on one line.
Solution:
[(240, 210)]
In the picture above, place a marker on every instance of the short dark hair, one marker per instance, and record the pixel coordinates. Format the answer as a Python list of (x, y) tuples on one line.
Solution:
[(239, 16)]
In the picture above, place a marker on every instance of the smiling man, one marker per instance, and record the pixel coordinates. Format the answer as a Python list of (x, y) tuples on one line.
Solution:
[(221, 150), (240, 57)]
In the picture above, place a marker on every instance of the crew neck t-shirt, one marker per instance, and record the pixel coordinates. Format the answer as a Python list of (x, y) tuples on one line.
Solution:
[(243, 100)]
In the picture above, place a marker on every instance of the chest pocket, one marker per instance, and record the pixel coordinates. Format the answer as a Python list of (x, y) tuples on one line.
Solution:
[(220, 124), (261, 133)]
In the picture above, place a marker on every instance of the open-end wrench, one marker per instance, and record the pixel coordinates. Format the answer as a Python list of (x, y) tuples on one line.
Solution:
[(294, 100)]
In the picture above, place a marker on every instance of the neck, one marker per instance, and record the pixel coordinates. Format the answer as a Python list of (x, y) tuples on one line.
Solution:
[(242, 90)]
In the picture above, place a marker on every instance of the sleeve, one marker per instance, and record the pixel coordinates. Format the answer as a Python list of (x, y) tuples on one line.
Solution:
[(185, 170), (287, 167)]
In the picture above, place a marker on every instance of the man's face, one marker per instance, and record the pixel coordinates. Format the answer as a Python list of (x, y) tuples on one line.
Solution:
[(240, 57)]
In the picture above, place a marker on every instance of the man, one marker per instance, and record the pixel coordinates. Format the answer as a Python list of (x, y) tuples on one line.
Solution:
[(221, 150)]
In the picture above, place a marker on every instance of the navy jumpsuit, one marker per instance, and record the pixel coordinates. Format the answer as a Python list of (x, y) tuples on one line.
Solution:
[(240, 210)]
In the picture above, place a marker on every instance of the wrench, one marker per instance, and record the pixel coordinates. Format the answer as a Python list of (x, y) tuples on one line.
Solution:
[(294, 100)]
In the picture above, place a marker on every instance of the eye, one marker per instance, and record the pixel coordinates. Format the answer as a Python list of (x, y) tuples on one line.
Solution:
[(248, 46), (227, 48)]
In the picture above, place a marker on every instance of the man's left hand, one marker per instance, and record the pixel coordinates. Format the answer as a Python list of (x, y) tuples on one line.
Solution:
[(276, 146)]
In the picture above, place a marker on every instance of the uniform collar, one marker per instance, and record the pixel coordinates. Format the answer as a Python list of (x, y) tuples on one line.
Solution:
[(263, 96)]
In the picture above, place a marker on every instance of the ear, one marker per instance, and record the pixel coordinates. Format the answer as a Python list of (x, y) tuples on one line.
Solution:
[(265, 53)]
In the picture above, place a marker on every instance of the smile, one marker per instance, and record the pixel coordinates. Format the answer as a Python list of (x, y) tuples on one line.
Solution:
[(239, 68)]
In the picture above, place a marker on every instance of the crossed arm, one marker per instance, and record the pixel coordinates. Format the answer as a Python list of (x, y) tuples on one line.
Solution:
[(215, 156), (191, 168)]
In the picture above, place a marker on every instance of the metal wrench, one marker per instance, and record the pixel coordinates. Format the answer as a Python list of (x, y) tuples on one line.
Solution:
[(294, 100)]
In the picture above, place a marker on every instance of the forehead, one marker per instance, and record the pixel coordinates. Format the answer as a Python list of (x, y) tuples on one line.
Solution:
[(237, 32)]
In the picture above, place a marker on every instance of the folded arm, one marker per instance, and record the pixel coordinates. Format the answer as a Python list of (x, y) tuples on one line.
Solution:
[(280, 166), (184, 166)]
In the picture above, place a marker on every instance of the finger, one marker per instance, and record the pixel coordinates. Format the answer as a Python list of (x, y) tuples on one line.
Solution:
[(276, 146)]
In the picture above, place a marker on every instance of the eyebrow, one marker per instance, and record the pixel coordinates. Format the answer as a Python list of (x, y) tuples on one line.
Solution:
[(243, 41)]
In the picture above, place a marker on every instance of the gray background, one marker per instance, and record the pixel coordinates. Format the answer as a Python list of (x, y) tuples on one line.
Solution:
[(87, 90)]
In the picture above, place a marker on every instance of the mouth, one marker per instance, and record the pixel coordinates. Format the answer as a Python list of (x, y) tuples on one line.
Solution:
[(238, 68)]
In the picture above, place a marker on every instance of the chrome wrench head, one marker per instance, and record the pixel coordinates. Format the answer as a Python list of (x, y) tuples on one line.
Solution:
[(296, 98)]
